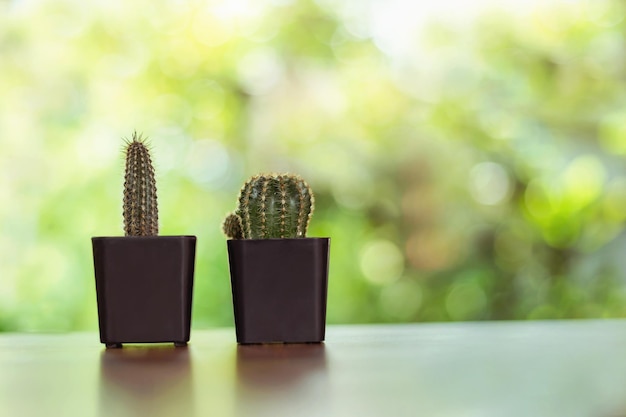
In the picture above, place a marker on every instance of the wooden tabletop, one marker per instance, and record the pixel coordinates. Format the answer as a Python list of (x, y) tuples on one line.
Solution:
[(508, 369)]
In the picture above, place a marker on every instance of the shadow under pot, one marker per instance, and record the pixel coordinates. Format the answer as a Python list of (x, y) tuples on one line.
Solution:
[(144, 287), (279, 289)]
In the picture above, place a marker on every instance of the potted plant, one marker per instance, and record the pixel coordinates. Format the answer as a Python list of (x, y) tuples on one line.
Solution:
[(144, 282), (279, 278)]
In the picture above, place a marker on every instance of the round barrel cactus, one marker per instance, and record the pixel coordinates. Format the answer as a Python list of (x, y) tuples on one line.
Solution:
[(271, 206)]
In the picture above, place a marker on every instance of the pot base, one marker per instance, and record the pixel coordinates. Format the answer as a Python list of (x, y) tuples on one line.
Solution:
[(120, 345)]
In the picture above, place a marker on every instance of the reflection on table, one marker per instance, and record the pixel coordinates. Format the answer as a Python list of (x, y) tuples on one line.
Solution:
[(514, 369)]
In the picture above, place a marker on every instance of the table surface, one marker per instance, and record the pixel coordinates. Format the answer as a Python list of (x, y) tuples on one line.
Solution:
[(509, 369)]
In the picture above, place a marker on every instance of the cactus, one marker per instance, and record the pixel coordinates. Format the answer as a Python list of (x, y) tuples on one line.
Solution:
[(272, 206), (140, 199), (232, 227)]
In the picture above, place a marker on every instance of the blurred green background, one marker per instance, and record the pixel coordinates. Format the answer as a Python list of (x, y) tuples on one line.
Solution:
[(468, 158)]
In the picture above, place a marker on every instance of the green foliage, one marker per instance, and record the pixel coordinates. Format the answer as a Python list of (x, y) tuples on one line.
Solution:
[(141, 217), (464, 170), (272, 206)]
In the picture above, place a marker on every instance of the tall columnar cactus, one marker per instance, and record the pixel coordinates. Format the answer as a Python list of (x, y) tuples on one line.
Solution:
[(271, 206), (141, 216)]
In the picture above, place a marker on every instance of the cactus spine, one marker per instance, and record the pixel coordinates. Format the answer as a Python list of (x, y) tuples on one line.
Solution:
[(140, 199), (272, 206)]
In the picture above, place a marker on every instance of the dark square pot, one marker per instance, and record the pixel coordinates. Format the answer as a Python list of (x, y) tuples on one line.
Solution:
[(144, 287), (279, 289)]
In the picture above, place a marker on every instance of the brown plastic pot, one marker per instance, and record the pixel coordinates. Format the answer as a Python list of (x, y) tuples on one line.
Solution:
[(144, 288), (279, 289)]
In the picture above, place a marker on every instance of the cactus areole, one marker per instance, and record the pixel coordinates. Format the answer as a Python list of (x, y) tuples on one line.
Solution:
[(271, 206)]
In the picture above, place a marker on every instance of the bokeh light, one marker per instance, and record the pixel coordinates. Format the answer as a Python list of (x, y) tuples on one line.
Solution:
[(467, 157)]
